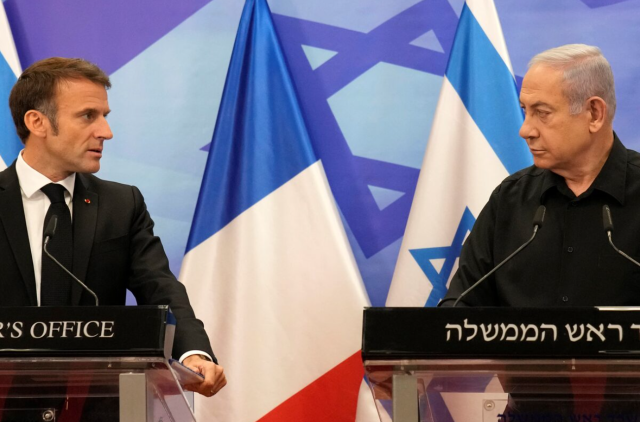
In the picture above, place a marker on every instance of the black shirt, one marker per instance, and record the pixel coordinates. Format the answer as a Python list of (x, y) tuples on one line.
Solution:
[(570, 262)]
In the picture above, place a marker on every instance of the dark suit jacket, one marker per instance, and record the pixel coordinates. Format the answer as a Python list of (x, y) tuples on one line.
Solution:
[(114, 249)]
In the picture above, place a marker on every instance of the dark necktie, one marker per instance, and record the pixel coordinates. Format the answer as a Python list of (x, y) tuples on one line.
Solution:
[(55, 287)]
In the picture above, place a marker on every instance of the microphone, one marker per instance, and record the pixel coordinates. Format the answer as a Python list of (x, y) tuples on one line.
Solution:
[(49, 232), (607, 222), (538, 219)]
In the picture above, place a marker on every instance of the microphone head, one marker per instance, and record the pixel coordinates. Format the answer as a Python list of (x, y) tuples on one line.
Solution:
[(538, 218), (607, 221), (50, 230)]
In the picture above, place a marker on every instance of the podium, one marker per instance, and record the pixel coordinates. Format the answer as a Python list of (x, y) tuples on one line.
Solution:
[(89, 364), (503, 364)]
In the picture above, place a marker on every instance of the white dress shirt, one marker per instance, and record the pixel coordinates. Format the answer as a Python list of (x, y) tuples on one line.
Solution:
[(36, 204)]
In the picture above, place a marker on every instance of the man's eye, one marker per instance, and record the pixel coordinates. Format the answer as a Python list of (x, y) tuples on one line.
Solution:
[(543, 113)]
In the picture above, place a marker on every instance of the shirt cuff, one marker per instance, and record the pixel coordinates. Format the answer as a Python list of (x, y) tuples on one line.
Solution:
[(194, 352)]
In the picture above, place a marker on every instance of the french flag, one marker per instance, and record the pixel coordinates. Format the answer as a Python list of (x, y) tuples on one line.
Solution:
[(268, 265)]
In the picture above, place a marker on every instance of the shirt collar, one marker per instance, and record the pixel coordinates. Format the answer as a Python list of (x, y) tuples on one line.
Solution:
[(611, 179), (31, 181)]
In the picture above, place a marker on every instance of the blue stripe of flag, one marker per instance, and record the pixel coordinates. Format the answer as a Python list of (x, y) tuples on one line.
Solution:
[(10, 144), (487, 89), (260, 140)]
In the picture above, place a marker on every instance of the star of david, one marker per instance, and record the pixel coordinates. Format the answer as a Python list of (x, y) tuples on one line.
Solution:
[(356, 53), (424, 257)]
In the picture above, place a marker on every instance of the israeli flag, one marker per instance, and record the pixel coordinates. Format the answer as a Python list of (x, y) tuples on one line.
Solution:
[(474, 145), (268, 265), (10, 69)]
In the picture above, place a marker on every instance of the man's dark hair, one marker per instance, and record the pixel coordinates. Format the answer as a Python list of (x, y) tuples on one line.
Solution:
[(37, 86)]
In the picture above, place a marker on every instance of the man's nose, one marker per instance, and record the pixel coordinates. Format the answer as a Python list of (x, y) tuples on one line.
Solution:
[(104, 130), (528, 130)]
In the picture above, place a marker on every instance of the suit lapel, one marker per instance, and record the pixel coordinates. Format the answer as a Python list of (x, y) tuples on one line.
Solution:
[(85, 215), (14, 223)]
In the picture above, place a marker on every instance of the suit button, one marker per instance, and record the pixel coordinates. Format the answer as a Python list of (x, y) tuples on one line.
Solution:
[(565, 298), (570, 249)]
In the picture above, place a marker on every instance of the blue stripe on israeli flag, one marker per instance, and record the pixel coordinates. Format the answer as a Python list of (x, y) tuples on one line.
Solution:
[(488, 90)]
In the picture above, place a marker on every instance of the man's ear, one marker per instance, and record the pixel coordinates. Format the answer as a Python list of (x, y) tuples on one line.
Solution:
[(37, 123), (598, 113)]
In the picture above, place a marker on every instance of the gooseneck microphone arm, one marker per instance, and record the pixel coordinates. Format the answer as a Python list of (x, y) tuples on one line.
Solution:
[(48, 235), (607, 222), (538, 219)]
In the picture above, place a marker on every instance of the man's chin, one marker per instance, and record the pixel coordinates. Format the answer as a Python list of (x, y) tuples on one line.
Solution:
[(541, 163), (93, 168)]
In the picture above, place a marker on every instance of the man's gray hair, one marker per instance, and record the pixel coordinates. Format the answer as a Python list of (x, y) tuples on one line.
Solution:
[(586, 74)]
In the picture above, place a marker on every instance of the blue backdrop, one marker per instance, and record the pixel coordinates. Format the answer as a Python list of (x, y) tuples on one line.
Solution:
[(368, 74)]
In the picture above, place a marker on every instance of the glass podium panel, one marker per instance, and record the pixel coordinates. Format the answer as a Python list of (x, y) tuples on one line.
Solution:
[(91, 389), (506, 390)]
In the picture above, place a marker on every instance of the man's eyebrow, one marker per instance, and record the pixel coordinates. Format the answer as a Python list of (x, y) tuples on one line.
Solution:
[(541, 104), (92, 110)]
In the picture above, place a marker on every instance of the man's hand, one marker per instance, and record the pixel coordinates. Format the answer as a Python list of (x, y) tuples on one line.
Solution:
[(214, 378)]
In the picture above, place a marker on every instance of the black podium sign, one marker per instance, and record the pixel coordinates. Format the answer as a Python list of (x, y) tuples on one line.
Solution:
[(415, 333), (85, 331)]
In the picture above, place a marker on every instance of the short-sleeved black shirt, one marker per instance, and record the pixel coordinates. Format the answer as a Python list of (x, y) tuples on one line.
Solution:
[(570, 262)]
